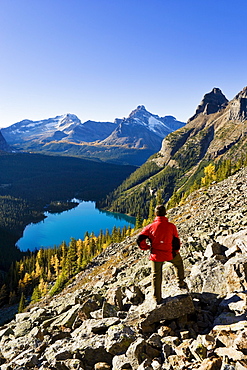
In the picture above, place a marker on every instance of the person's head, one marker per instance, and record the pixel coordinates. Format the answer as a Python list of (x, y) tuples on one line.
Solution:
[(160, 210)]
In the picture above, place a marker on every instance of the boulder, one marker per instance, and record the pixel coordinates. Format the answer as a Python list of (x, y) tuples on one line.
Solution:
[(136, 353), (115, 297), (93, 326), (67, 318), (208, 277), (236, 273), (170, 309), (120, 362), (102, 366), (211, 364), (118, 339)]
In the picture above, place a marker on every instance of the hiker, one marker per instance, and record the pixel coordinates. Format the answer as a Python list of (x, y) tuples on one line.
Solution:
[(161, 237)]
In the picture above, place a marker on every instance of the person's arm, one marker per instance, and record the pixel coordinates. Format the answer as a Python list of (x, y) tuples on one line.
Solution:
[(142, 242), (175, 242)]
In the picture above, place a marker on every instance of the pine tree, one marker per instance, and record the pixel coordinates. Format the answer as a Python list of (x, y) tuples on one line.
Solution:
[(12, 298), (159, 199), (80, 247), (138, 223), (3, 295), (36, 294), (22, 303), (71, 262), (64, 249), (151, 211), (59, 284)]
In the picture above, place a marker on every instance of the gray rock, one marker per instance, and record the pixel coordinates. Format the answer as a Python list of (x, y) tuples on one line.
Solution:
[(235, 273), (120, 362), (109, 310), (136, 353), (118, 339), (92, 326), (155, 341), (115, 297), (67, 318), (26, 359), (171, 308)]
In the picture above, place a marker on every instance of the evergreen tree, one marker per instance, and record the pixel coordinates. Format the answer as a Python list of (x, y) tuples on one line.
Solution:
[(59, 284), (12, 297), (80, 247), (71, 261), (22, 303), (151, 211), (138, 223), (3, 295), (159, 199), (36, 294)]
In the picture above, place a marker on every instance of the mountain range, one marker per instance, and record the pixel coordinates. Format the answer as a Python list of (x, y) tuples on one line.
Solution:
[(216, 134), (128, 140)]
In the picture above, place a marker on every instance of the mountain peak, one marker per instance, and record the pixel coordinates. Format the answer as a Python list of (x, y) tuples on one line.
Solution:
[(212, 102), (139, 110), (238, 106), (242, 94)]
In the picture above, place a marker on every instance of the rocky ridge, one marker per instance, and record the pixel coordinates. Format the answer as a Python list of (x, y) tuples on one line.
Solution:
[(218, 127), (106, 318), (212, 102)]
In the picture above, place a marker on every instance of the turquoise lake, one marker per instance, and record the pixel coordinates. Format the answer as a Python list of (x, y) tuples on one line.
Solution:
[(59, 227)]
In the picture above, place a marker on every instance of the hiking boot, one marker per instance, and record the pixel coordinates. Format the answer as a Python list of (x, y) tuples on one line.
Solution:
[(183, 285)]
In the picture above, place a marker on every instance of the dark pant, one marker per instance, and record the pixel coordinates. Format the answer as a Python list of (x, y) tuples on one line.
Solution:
[(156, 268)]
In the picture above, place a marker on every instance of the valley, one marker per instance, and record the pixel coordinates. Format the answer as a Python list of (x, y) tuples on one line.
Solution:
[(32, 182)]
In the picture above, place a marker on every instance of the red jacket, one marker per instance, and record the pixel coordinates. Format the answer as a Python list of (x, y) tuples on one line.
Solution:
[(161, 234)]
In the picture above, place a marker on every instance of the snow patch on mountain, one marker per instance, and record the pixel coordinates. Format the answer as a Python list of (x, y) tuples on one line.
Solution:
[(158, 126)]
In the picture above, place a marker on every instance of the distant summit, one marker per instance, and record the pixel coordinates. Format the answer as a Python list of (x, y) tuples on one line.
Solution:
[(128, 140), (212, 102), (142, 129)]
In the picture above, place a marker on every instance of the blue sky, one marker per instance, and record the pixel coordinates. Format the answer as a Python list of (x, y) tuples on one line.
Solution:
[(99, 59)]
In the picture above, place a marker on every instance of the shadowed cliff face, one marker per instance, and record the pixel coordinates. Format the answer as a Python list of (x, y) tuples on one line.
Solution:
[(3, 144), (106, 316), (212, 102), (238, 106)]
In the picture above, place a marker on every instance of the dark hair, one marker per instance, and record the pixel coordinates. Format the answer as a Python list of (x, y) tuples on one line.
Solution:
[(160, 210)]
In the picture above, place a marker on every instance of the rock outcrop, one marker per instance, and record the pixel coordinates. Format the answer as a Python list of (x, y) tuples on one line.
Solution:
[(106, 318), (238, 106), (212, 102)]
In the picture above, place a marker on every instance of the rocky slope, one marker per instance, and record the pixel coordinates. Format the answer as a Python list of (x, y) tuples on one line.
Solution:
[(106, 318)]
